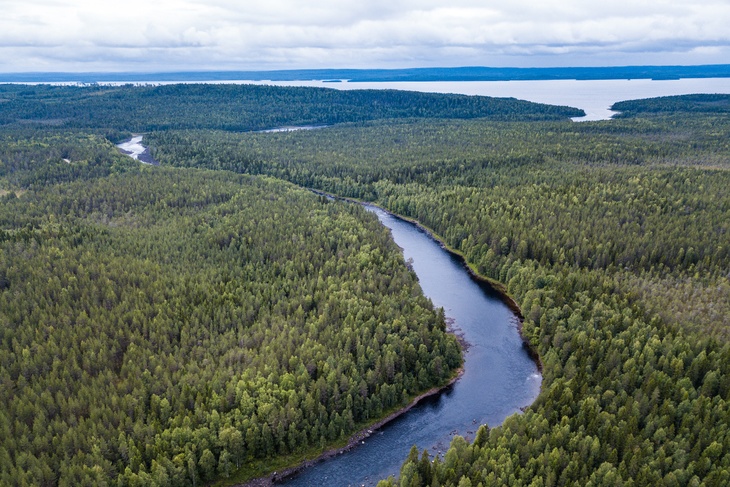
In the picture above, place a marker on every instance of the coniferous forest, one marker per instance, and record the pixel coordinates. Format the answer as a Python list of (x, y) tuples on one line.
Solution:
[(193, 322)]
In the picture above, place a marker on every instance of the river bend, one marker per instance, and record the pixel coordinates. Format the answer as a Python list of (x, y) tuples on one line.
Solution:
[(499, 376)]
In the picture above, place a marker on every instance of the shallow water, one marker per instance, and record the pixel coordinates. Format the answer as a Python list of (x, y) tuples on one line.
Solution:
[(292, 129)]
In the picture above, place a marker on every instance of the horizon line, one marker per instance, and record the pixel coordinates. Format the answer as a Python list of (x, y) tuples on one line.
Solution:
[(413, 74)]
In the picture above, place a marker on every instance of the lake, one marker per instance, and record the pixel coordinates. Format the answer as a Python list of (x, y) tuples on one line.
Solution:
[(593, 96)]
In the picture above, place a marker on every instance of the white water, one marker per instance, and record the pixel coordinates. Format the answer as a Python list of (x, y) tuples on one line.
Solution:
[(133, 147)]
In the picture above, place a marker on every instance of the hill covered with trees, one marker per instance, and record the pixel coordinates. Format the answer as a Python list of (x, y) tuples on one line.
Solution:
[(123, 109)]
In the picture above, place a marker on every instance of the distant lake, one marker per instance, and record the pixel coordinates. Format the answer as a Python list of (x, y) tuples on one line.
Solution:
[(593, 96)]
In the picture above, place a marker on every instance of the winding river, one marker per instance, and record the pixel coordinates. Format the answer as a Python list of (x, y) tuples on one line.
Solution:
[(499, 377)]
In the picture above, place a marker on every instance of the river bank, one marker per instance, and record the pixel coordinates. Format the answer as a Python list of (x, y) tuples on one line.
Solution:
[(483, 391), (355, 440), (496, 287)]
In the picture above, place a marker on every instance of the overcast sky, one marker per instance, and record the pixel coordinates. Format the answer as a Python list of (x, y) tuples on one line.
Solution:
[(165, 35)]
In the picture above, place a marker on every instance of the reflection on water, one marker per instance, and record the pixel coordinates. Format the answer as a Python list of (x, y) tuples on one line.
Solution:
[(499, 376)]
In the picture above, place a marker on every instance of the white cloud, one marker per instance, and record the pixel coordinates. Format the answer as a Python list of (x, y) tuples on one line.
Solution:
[(86, 35)]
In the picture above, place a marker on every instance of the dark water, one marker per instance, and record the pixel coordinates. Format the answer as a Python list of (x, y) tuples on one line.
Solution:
[(499, 376)]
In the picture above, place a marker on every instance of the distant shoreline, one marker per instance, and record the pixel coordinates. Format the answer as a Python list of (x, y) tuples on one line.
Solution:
[(594, 97), (469, 73)]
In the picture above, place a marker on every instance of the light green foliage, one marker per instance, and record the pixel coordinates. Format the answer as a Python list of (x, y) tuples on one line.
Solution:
[(646, 199)]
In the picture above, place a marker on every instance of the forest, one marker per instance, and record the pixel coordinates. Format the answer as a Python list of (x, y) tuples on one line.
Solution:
[(123, 109), (165, 327), (160, 287)]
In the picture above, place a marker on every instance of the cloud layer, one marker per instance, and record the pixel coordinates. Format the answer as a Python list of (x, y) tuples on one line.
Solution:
[(137, 35)]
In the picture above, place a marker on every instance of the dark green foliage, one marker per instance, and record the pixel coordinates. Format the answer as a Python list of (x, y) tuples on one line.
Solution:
[(590, 227), (28, 161), (465, 153), (161, 327), (244, 107), (612, 236), (674, 104), (646, 199)]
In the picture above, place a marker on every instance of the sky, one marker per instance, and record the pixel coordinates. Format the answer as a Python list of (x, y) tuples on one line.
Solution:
[(191, 35)]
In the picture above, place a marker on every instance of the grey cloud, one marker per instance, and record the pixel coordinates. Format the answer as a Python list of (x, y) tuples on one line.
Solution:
[(223, 34)]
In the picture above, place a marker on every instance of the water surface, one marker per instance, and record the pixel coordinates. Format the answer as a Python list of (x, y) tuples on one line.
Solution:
[(595, 97), (292, 128), (134, 149), (499, 376)]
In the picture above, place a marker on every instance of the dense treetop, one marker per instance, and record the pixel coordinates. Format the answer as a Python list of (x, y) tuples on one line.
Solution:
[(163, 327), (244, 107), (701, 103), (612, 236)]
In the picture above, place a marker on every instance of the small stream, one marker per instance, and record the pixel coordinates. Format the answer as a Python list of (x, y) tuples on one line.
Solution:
[(499, 377)]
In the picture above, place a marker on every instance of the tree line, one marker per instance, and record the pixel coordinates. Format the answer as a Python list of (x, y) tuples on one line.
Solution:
[(612, 237), (124, 109)]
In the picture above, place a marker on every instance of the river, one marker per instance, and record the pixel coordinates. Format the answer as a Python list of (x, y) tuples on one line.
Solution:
[(499, 376), (134, 149)]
